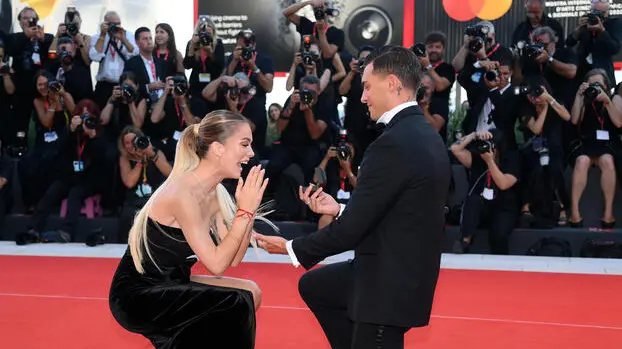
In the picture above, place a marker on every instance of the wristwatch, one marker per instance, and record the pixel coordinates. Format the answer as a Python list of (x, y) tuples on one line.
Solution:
[(257, 71), (551, 59)]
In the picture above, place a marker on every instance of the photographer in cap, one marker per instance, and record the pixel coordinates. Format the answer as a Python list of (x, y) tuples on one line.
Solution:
[(78, 175), (71, 28), (494, 172), (597, 40), (76, 76)]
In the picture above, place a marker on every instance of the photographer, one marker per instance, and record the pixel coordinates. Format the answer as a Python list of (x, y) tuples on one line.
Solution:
[(170, 116), (77, 176), (205, 56), (76, 77), (260, 71), (597, 40), (29, 50), (125, 107), (480, 48), (337, 168), (493, 173), (431, 108), (542, 120), (598, 120), (71, 28), (537, 18), (308, 62), (8, 127), (330, 39), (361, 129), (443, 75), (143, 169), (111, 47), (302, 124)]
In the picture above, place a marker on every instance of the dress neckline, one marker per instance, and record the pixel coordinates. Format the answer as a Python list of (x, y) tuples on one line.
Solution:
[(158, 224)]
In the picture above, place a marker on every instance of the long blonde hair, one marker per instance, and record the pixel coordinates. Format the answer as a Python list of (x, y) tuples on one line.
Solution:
[(192, 146)]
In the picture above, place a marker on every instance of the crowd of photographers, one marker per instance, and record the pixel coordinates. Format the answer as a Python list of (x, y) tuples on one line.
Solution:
[(536, 106)]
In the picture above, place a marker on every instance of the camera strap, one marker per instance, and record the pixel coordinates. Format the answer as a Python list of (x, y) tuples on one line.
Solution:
[(180, 115), (437, 64), (115, 49), (81, 148), (493, 50), (203, 57), (601, 119), (165, 55), (145, 174)]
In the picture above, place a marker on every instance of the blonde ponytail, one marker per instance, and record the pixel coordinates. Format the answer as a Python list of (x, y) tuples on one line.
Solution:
[(186, 160)]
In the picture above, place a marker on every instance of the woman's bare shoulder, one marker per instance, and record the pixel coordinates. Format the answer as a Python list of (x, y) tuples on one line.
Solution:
[(177, 193)]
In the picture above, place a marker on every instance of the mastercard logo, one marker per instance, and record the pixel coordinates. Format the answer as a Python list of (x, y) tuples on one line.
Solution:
[(466, 10)]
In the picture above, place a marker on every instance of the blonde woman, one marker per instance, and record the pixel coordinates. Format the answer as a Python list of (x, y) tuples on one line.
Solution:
[(152, 292)]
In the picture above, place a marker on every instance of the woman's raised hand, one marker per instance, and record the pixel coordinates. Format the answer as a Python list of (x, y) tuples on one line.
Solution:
[(249, 192)]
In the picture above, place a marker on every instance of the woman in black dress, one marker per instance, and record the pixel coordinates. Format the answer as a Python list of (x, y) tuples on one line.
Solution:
[(597, 119), (152, 292)]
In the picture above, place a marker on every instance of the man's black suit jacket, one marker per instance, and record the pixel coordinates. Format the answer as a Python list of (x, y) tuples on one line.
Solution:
[(394, 221), (137, 66)]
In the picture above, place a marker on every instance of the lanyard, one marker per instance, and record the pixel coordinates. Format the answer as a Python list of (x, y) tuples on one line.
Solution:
[(488, 179), (81, 149), (437, 64), (601, 119), (113, 51), (315, 29), (180, 115), (165, 55), (203, 56), (153, 70), (145, 174), (493, 50)]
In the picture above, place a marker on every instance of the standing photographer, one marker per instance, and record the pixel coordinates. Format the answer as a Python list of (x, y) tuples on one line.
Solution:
[(537, 18), (493, 174), (71, 28), (597, 40), (8, 128), (77, 176), (598, 119), (431, 108), (480, 48), (308, 62), (76, 77), (125, 107)]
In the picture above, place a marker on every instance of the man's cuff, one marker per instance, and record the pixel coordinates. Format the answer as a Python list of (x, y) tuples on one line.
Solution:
[(292, 255), (341, 208)]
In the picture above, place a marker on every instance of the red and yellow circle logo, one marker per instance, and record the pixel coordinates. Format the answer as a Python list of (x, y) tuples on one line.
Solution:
[(466, 10)]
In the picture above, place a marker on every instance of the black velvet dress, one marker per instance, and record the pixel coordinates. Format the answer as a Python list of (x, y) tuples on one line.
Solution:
[(172, 311)]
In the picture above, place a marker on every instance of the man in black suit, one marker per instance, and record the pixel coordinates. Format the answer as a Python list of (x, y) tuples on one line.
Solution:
[(150, 71), (394, 221)]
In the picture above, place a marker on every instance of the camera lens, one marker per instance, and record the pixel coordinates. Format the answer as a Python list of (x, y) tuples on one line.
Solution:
[(368, 25), (141, 142)]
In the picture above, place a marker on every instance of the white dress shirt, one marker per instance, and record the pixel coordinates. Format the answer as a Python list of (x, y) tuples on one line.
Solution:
[(384, 119), (483, 122), (111, 64), (149, 65)]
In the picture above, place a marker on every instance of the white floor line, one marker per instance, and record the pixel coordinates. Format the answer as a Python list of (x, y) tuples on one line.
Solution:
[(445, 317)]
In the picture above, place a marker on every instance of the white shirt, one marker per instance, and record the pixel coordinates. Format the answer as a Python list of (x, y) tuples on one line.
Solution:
[(150, 64), (388, 116), (111, 64), (482, 121)]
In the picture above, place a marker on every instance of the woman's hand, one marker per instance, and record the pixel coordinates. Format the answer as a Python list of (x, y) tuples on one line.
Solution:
[(582, 89), (331, 153), (249, 193), (603, 97), (319, 202), (75, 122)]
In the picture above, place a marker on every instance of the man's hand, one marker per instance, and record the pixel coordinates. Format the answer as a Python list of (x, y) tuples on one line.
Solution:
[(271, 244), (489, 65), (3, 182), (543, 57), (319, 202)]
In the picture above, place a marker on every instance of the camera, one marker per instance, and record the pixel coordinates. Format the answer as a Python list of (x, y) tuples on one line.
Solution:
[(236, 92), (112, 28), (20, 147), (592, 91), (307, 96), (593, 17), (141, 142), (480, 146), (205, 38), (421, 92), (343, 150), (306, 42), (308, 57), (180, 87), (72, 29), (322, 12), (479, 34), (524, 90), (247, 50), (33, 22), (65, 58), (533, 51), (128, 92), (55, 86), (89, 121), (491, 75), (419, 49), (361, 64), (70, 15)]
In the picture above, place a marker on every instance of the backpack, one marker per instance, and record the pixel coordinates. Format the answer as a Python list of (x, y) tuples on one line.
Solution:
[(550, 247)]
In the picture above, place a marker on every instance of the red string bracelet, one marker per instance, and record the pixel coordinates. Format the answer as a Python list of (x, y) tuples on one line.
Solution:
[(243, 213)]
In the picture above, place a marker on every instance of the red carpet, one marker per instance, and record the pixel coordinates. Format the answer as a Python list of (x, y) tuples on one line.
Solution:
[(62, 303)]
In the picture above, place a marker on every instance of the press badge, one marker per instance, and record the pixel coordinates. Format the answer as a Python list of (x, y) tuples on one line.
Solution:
[(602, 135), (205, 77), (36, 58), (488, 194), (78, 166), (50, 137), (476, 77), (143, 190), (177, 135), (589, 59)]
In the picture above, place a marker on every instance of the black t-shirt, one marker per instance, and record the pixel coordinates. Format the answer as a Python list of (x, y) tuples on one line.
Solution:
[(172, 121), (334, 36), (563, 89), (440, 107), (553, 124), (509, 163), (265, 64), (21, 48), (120, 118), (77, 81), (204, 71), (296, 132), (445, 70), (596, 118)]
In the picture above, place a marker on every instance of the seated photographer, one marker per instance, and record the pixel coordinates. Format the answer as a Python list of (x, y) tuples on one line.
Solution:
[(309, 62), (597, 119), (302, 124), (542, 120), (260, 71), (125, 107), (273, 134), (494, 172), (597, 40), (336, 169), (77, 176), (143, 169), (431, 108), (165, 48), (76, 77), (362, 131), (170, 116), (235, 93), (205, 57), (71, 28), (537, 18)]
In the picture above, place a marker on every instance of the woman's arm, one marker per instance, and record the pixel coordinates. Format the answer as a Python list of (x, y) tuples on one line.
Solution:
[(222, 233), (535, 125), (70, 105), (46, 116), (340, 70), (138, 112), (460, 152), (503, 181), (130, 176)]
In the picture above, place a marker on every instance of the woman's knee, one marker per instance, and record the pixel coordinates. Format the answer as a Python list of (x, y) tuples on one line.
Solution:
[(582, 164), (256, 292), (606, 163)]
